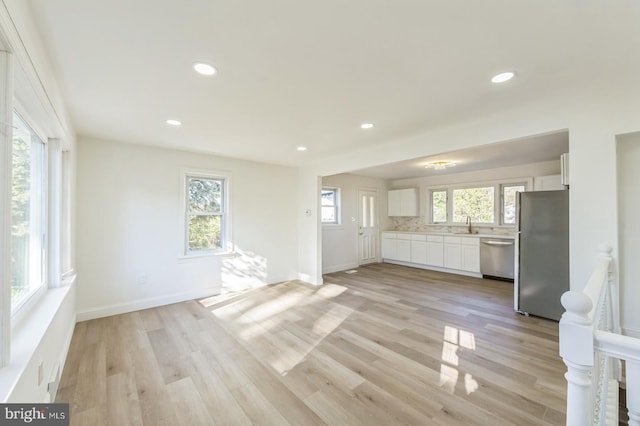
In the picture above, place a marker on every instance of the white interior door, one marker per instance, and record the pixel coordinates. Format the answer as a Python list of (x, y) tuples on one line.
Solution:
[(367, 226)]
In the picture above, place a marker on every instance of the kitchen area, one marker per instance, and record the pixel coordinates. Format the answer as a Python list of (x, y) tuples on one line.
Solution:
[(488, 220)]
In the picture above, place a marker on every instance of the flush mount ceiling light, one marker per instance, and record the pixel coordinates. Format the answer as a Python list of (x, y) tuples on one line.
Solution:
[(502, 77), (439, 165), (301, 148), (366, 126), (204, 68), (173, 122)]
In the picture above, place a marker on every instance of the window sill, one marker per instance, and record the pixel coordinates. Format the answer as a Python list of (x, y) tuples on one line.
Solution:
[(196, 256), (27, 335)]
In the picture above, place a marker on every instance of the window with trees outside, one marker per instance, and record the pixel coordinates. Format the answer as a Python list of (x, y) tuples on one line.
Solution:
[(206, 214), (509, 202), (330, 200), (486, 204), (28, 214)]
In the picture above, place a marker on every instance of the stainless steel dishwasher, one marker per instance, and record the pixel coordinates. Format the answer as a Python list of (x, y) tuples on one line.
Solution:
[(497, 257)]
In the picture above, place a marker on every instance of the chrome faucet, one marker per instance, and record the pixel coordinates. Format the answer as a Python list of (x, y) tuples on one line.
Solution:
[(469, 224)]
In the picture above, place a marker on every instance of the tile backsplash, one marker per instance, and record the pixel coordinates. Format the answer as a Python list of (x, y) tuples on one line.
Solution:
[(417, 224)]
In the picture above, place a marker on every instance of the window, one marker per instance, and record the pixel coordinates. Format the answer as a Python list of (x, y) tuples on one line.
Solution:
[(28, 214), (509, 202), (490, 203), (475, 203), (206, 213), (439, 206), (330, 206)]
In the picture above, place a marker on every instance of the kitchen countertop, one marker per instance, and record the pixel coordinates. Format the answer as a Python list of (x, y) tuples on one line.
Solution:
[(454, 234)]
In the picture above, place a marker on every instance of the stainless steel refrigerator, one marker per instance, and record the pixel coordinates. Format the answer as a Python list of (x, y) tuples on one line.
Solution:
[(542, 252)]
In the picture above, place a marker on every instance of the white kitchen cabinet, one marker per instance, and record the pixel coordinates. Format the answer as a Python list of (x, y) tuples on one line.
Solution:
[(403, 248), (470, 254), (452, 255), (435, 250), (402, 202), (548, 183), (419, 249), (457, 253), (389, 245)]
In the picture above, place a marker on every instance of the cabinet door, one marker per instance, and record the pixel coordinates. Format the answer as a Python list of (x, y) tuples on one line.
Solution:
[(394, 203), (403, 250), (470, 258), (419, 252), (389, 248), (452, 258), (409, 202), (435, 254)]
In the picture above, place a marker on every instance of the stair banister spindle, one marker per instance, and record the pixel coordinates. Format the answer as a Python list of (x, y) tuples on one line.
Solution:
[(576, 349), (633, 392)]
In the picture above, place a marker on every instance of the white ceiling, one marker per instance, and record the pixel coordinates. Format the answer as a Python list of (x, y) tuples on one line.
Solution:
[(296, 72), (528, 150)]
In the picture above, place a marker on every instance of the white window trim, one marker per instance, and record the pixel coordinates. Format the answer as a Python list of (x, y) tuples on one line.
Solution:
[(6, 161), (497, 200), (227, 237), (337, 206)]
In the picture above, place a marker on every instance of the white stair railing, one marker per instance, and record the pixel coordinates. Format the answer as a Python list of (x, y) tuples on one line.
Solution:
[(592, 348)]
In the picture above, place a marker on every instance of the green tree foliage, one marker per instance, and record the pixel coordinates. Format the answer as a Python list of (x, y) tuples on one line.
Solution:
[(205, 213), (20, 212), (439, 203), (476, 203)]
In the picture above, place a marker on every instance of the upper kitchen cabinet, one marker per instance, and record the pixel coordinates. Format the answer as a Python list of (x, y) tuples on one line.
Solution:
[(402, 202)]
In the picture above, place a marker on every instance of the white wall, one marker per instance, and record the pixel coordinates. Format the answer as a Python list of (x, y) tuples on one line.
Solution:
[(628, 154), (340, 242), (130, 225)]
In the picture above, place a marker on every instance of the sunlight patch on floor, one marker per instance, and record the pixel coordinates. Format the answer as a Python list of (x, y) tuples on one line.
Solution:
[(454, 339)]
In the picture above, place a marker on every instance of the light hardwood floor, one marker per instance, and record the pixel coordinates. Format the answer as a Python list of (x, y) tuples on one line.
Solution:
[(387, 345)]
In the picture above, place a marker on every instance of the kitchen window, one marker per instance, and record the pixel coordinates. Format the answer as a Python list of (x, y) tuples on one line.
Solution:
[(206, 213), (487, 203), (509, 202), (330, 204), (439, 206), (475, 203)]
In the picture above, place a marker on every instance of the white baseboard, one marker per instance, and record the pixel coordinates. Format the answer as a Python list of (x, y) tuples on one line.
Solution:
[(631, 332), (309, 279), (137, 305), (338, 268)]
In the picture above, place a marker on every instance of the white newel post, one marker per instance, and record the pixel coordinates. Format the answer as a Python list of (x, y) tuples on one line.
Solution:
[(576, 350), (633, 392)]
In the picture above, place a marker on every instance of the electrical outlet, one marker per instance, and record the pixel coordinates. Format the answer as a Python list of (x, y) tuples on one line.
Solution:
[(143, 279)]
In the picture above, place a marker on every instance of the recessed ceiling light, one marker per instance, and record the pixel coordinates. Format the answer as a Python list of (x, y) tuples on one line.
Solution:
[(204, 68), (172, 122), (366, 125), (502, 77), (301, 148)]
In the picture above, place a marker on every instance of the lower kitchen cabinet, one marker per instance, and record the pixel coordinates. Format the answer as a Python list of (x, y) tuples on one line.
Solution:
[(452, 255), (439, 251), (403, 248), (470, 254), (435, 250), (419, 249)]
